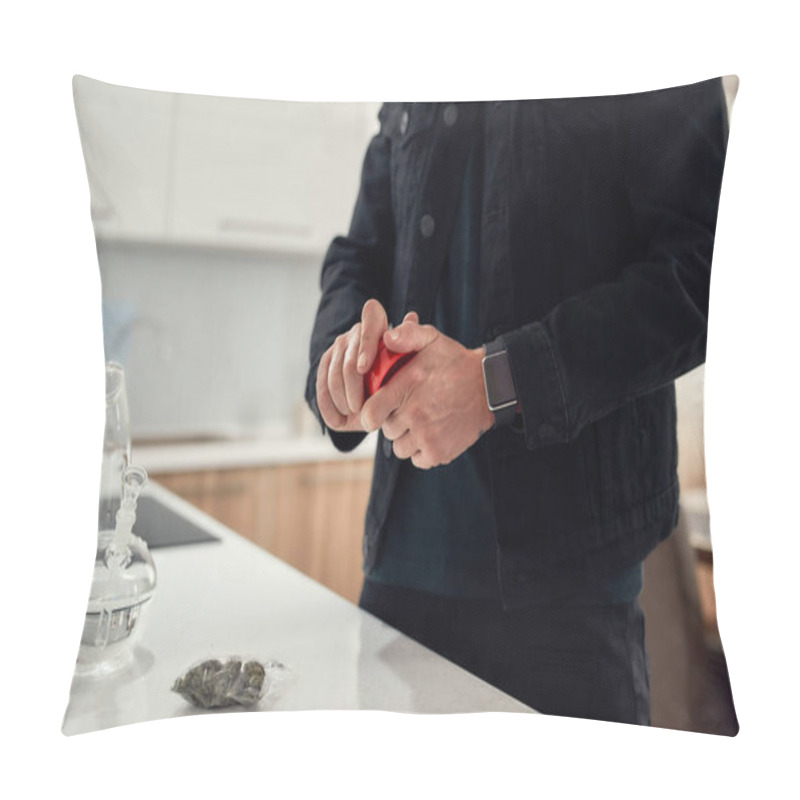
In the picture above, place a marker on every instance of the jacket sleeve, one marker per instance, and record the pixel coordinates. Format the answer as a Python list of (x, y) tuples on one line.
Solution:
[(356, 267), (595, 351)]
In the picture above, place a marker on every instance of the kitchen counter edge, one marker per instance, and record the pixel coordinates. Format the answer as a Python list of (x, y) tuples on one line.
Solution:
[(234, 454)]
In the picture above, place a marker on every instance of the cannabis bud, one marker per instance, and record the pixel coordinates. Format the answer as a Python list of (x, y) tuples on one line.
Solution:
[(213, 684)]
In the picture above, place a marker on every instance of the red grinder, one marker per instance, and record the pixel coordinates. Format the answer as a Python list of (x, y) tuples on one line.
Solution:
[(385, 365)]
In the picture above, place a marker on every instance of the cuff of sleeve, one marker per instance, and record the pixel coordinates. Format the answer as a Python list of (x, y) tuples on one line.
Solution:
[(535, 370), (345, 442)]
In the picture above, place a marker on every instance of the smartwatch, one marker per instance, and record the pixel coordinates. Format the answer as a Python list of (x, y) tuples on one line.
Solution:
[(500, 392)]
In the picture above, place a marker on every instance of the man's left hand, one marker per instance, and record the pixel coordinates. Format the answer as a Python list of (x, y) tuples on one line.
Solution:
[(435, 407)]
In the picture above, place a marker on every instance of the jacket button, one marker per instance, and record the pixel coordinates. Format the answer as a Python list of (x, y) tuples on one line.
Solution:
[(404, 123), (450, 115), (427, 226)]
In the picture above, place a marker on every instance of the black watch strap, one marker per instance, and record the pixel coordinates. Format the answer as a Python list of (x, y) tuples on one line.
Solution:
[(501, 395)]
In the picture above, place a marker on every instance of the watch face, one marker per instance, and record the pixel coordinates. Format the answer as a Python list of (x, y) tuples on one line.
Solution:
[(500, 389)]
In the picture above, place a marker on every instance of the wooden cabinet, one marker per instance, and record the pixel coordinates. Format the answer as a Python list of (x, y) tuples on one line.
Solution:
[(309, 515)]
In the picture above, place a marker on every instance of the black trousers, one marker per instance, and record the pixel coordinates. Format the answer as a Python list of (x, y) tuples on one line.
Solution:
[(573, 661)]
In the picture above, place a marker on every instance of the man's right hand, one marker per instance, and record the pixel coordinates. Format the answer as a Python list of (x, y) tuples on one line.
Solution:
[(340, 375)]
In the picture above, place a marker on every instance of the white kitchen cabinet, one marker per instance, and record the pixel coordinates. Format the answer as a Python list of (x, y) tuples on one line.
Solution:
[(276, 175), (200, 170), (125, 135)]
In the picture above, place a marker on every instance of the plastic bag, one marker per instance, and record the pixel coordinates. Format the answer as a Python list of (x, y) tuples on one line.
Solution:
[(214, 684)]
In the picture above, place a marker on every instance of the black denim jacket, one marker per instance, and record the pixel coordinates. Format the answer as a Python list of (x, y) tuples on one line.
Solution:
[(597, 235)]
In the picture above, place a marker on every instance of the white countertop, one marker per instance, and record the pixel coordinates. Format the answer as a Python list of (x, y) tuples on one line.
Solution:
[(219, 599), (236, 453)]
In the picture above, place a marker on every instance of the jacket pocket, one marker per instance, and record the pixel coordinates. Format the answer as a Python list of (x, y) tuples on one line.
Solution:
[(541, 497), (632, 457)]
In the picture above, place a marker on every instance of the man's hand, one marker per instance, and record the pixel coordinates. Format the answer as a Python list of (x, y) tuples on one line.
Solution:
[(340, 375), (435, 407)]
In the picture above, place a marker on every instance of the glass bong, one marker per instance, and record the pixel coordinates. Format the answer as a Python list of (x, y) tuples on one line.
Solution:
[(116, 445), (124, 575)]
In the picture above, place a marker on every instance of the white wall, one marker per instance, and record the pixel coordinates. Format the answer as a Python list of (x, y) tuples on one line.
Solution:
[(214, 342)]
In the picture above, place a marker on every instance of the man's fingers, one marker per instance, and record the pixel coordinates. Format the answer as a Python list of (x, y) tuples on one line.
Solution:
[(421, 461), (373, 324), (404, 447), (336, 377), (330, 414), (394, 426), (410, 337), (353, 380), (378, 408), (412, 316)]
